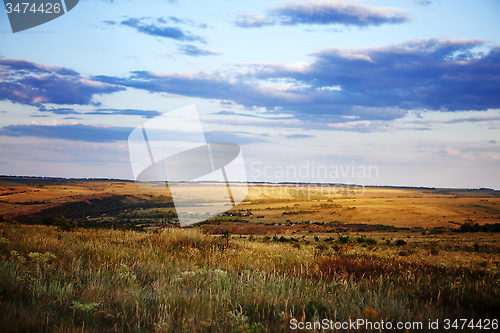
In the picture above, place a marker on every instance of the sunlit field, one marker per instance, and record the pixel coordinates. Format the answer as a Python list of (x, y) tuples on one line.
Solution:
[(96, 256)]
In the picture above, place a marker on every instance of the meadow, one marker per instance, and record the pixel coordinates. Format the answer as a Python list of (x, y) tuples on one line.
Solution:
[(401, 255)]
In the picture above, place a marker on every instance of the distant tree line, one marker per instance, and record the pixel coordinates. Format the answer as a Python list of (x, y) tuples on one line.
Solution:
[(488, 227)]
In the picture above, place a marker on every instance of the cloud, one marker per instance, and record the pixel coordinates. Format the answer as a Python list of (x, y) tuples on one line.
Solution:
[(56, 129), (42, 108), (455, 152), (227, 113), (195, 51), (422, 2), (369, 83), (232, 113), (157, 28), (245, 20), (252, 115), (491, 141), (451, 151), (240, 138), (31, 83), (363, 126), (21, 66), (473, 119), (347, 13), (299, 136), (75, 132), (185, 21), (127, 112)]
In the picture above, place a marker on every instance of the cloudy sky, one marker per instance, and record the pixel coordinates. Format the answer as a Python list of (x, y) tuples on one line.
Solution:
[(408, 88)]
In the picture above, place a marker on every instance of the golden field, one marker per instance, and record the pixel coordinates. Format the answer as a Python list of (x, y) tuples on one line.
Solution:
[(401, 207), (108, 256)]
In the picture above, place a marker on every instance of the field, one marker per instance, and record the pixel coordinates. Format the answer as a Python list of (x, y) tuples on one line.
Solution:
[(108, 256)]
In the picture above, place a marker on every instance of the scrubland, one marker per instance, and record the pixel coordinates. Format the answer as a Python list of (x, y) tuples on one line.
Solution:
[(181, 280), (107, 256)]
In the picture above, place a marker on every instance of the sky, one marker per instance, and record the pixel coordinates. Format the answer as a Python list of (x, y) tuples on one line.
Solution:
[(373, 92)]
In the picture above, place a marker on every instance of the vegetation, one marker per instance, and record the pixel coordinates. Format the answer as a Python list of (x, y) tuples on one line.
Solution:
[(180, 280), (107, 256)]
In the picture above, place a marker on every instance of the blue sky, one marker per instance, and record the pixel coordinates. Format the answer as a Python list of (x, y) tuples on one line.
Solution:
[(409, 87)]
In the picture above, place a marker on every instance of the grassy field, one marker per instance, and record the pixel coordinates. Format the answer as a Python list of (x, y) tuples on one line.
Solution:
[(271, 204), (392, 255)]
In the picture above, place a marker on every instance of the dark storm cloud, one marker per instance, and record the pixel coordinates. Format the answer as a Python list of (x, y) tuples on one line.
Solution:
[(347, 13)]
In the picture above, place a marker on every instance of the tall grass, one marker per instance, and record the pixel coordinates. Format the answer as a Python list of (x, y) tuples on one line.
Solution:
[(180, 280)]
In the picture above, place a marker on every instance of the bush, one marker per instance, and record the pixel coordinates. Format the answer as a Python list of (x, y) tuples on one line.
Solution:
[(356, 269), (283, 239), (344, 239), (400, 242), (366, 241), (360, 239)]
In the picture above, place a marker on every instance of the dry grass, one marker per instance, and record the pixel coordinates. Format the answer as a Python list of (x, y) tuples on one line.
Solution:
[(180, 280), (401, 207)]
